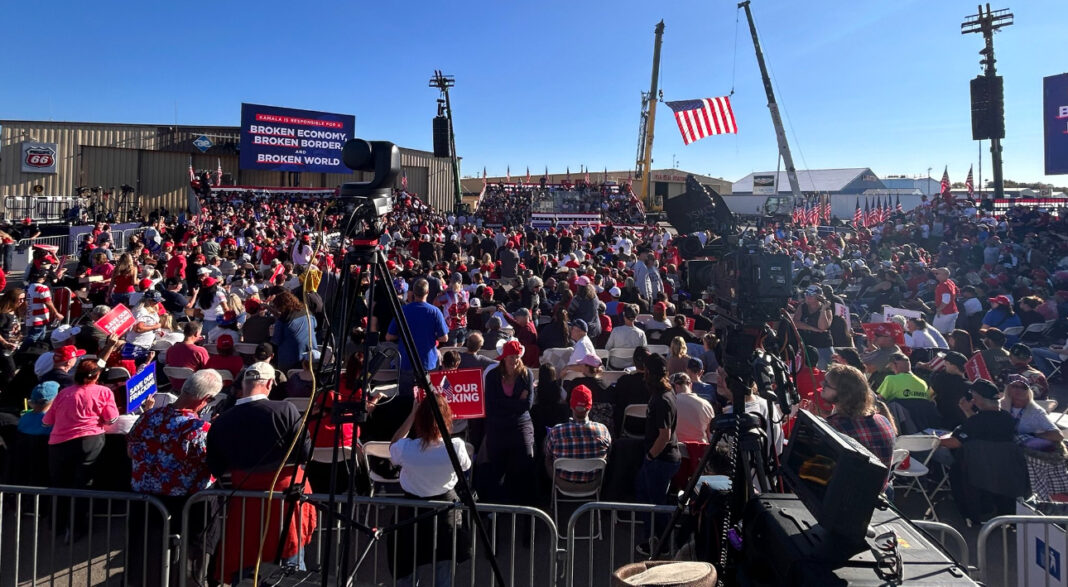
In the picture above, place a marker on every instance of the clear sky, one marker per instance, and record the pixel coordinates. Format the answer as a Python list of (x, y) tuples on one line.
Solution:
[(876, 84)]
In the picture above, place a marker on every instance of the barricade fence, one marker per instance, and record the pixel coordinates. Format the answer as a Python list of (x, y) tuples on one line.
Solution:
[(1039, 545), (610, 533), (224, 527), (80, 537)]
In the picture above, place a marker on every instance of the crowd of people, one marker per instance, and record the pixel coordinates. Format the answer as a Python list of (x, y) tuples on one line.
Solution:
[(503, 205), (590, 343)]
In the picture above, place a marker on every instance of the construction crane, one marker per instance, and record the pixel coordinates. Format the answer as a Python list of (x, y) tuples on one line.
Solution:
[(780, 134), (646, 126)]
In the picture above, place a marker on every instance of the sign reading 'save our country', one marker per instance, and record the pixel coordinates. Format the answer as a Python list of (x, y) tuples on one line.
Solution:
[(286, 139)]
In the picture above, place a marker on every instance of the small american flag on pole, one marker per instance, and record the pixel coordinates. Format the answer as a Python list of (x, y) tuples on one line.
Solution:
[(827, 209), (970, 183), (218, 171), (404, 180), (898, 205), (858, 216), (814, 214), (698, 119), (945, 184)]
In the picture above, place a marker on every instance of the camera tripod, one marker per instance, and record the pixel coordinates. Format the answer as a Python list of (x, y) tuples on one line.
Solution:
[(364, 258)]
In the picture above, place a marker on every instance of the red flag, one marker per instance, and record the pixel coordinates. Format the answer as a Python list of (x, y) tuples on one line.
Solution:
[(858, 216), (970, 183)]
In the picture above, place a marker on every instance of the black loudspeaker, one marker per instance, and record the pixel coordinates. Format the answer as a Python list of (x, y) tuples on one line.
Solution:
[(441, 137), (700, 275), (690, 247), (988, 108)]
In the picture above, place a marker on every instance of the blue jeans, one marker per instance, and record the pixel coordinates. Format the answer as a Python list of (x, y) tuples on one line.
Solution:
[(34, 334), (1042, 355), (651, 486), (442, 576)]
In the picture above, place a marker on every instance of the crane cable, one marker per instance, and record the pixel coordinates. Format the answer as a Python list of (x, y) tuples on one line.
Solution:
[(265, 520), (734, 59)]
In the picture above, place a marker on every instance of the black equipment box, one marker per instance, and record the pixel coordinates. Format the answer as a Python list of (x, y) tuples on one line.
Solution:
[(783, 545)]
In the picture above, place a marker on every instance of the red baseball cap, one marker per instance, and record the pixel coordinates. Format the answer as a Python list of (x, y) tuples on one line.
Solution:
[(67, 352), (581, 397), (1003, 300), (511, 348), (209, 281), (146, 283), (224, 342)]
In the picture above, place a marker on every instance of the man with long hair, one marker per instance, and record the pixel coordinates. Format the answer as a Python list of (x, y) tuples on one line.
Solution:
[(854, 412)]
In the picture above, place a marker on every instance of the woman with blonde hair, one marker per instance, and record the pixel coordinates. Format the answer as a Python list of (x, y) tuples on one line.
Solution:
[(679, 356), (123, 278)]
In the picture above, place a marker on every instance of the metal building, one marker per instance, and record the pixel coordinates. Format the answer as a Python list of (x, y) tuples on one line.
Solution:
[(155, 159)]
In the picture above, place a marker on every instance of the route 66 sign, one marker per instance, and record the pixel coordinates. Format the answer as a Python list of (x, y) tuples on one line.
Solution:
[(39, 157)]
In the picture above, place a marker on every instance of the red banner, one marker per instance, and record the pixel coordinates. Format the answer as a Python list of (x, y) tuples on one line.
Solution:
[(462, 390), (976, 368), (117, 321)]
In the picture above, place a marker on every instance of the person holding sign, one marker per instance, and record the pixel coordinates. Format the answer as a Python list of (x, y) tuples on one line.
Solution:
[(427, 474), (142, 335), (507, 475)]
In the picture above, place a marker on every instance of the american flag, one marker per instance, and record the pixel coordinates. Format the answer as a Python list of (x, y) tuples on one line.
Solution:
[(827, 210), (192, 174), (796, 215), (404, 180), (898, 205), (970, 183), (868, 218), (586, 176), (858, 216), (528, 174), (705, 117), (483, 178), (945, 184), (218, 171), (814, 215), (508, 174)]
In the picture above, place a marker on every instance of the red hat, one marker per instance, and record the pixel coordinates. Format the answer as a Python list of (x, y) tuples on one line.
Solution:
[(487, 292), (660, 306), (391, 265), (252, 305), (209, 281), (883, 330), (511, 348), (224, 342), (146, 283), (408, 264), (1003, 300), (581, 397), (67, 352)]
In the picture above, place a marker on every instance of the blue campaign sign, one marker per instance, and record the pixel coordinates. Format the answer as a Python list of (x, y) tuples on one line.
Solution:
[(286, 139), (203, 143), (1055, 121), (140, 387)]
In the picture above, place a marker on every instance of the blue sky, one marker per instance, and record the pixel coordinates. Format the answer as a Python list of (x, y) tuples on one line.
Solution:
[(877, 84)]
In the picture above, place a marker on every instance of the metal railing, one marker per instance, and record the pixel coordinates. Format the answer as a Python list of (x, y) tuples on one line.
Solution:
[(945, 531), (80, 537), (1049, 560), (620, 534), (526, 540)]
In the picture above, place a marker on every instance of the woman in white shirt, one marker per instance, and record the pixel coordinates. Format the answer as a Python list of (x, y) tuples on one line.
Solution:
[(427, 474), (146, 328)]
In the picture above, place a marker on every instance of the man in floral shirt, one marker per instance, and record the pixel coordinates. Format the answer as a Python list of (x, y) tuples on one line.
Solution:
[(168, 450)]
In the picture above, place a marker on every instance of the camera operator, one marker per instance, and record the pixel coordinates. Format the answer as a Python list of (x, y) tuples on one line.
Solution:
[(813, 319)]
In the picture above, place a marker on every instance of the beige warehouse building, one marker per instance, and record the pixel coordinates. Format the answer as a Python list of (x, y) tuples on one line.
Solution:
[(154, 159)]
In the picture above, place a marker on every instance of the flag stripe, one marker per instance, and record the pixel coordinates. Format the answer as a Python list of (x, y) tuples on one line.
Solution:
[(698, 119)]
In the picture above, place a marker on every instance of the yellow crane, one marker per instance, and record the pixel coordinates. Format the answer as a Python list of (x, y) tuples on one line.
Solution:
[(645, 129)]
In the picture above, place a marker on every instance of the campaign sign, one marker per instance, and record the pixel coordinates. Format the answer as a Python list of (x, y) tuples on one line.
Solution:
[(976, 368), (1055, 121), (140, 387), (889, 312), (462, 390), (117, 321), (871, 329), (285, 139), (842, 310)]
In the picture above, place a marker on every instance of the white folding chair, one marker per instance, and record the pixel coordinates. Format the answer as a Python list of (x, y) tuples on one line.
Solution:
[(579, 492), (916, 469), (611, 377), (620, 358), (633, 412), (380, 450), (245, 349), (1013, 331), (659, 349), (1047, 404), (1057, 363), (300, 402), (601, 354)]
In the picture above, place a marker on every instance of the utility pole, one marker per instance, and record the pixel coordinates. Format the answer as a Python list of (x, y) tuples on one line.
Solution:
[(648, 123), (988, 103), (776, 119), (443, 83)]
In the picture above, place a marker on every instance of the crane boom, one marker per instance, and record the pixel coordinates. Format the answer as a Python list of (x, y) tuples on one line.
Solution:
[(780, 134), (645, 135)]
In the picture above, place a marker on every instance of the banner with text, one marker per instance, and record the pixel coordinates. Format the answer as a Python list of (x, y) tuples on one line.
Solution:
[(117, 321), (140, 387), (286, 139), (1055, 119), (462, 390)]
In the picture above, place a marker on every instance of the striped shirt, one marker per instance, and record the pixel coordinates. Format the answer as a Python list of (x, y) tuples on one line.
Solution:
[(37, 296)]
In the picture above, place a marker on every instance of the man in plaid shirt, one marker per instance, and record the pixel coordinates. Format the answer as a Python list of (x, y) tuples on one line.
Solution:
[(854, 411), (580, 438)]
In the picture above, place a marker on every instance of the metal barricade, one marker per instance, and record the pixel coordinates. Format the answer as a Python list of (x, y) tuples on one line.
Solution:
[(945, 531), (525, 539), (621, 533), (79, 537), (1047, 554)]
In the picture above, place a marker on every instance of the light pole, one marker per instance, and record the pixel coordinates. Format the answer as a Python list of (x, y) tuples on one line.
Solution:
[(443, 83)]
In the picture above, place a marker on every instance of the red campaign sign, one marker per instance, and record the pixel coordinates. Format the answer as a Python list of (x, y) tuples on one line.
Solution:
[(976, 368), (690, 323), (871, 329), (117, 321), (462, 390)]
